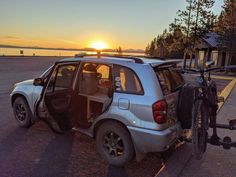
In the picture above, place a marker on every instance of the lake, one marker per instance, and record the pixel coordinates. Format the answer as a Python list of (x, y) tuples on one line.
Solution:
[(46, 52)]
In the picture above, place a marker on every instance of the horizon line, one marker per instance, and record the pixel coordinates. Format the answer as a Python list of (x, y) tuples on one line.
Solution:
[(71, 49)]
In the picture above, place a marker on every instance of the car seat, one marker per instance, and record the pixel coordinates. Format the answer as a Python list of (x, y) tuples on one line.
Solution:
[(89, 83)]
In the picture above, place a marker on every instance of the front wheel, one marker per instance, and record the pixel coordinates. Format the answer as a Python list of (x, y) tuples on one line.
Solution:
[(22, 112), (199, 128), (114, 143)]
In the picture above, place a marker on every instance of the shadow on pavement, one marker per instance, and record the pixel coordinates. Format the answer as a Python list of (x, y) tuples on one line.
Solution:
[(55, 158), (10, 142), (149, 166), (116, 171)]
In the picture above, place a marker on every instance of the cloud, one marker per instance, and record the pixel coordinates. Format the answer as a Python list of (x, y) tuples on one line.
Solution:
[(23, 41), (9, 37)]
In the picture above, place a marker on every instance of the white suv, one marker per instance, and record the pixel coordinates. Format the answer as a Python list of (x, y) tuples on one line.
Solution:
[(127, 104)]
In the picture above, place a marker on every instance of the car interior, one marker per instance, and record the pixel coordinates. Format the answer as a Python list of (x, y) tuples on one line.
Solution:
[(80, 106), (95, 92)]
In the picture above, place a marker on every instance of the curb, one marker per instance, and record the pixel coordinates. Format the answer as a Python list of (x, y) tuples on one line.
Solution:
[(226, 92), (177, 162)]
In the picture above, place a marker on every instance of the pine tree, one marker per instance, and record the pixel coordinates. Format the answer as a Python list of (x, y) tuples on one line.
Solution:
[(226, 26), (178, 44), (219, 25), (147, 49), (197, 18), (169, 43), (195, 21), (190, 25), (152, 47)]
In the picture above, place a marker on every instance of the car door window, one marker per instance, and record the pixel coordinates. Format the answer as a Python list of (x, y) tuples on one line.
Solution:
[(127, 81), (61, 78)]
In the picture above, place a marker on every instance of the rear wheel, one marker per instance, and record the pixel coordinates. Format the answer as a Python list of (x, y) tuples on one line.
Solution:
[(22, 112), (185, 105), (199, 128), (114, 143)]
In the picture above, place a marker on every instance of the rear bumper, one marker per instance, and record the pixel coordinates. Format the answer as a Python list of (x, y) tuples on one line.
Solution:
[(154, 141)]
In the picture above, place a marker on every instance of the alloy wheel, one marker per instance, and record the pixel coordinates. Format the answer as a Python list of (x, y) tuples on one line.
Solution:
[(113, 144), (21, 112)]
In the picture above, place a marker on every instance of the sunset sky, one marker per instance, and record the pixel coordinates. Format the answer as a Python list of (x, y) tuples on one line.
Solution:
[(78, 23)]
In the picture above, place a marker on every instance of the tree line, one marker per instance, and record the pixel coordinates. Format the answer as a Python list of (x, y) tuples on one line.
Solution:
[(192, 24)]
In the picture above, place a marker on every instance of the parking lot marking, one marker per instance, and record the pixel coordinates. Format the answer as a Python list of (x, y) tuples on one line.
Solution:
[(227, 90), (223, 77)]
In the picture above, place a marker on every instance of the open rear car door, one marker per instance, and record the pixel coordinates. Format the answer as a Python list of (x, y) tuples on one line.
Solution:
[(58, 99), (171, 82)]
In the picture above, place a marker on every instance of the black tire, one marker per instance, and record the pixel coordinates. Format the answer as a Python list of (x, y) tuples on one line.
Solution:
[(199, 129), (185, 105), (22, 112), (123, 146), (212, 97)]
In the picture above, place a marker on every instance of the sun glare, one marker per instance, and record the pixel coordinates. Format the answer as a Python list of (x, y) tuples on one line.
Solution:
[(99, 45)]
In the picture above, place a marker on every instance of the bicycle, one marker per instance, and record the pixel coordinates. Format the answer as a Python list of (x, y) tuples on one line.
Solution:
[(204, 112)]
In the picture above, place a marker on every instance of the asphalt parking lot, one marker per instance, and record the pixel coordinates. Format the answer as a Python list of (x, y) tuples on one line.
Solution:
[(38, 151)]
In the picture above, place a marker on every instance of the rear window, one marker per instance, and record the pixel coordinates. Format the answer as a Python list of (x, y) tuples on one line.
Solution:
[(170, 79)]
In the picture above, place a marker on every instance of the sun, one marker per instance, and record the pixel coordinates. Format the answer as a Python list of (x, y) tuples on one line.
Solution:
[(99, 45)]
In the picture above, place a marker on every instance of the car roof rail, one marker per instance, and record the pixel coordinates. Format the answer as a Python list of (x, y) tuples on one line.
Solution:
[(151, 57), (134, 58)]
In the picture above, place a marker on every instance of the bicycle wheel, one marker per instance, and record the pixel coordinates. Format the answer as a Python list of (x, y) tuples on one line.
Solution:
[(199, 128), (212, 97)]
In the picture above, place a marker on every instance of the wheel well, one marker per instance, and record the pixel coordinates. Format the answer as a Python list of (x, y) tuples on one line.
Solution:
[(98, 124), (16, 96)]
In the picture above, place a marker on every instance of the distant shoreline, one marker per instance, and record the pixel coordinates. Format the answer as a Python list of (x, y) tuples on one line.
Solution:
[(72, 49), (31, 56)]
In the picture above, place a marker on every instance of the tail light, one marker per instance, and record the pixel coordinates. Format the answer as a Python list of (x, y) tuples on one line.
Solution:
[(159, 110)]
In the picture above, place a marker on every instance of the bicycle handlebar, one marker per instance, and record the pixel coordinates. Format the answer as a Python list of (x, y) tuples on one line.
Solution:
[(230, 67), (220, 69)]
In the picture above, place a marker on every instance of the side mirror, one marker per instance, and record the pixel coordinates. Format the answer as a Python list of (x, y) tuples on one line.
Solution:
[(38, 82)]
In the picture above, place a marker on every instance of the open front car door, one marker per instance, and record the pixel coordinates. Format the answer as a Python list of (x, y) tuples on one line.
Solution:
[(58, 98)]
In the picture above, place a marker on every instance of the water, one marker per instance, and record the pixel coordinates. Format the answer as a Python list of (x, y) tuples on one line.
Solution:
[(45, 52)]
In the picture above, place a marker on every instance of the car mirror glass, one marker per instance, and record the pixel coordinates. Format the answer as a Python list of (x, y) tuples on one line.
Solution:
[(38, 82)]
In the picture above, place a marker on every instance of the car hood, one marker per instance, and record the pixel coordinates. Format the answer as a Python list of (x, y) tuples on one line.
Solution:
[(26, 82)]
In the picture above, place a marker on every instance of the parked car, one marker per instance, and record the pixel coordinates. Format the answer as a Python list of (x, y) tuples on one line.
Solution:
[(128, 104)]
